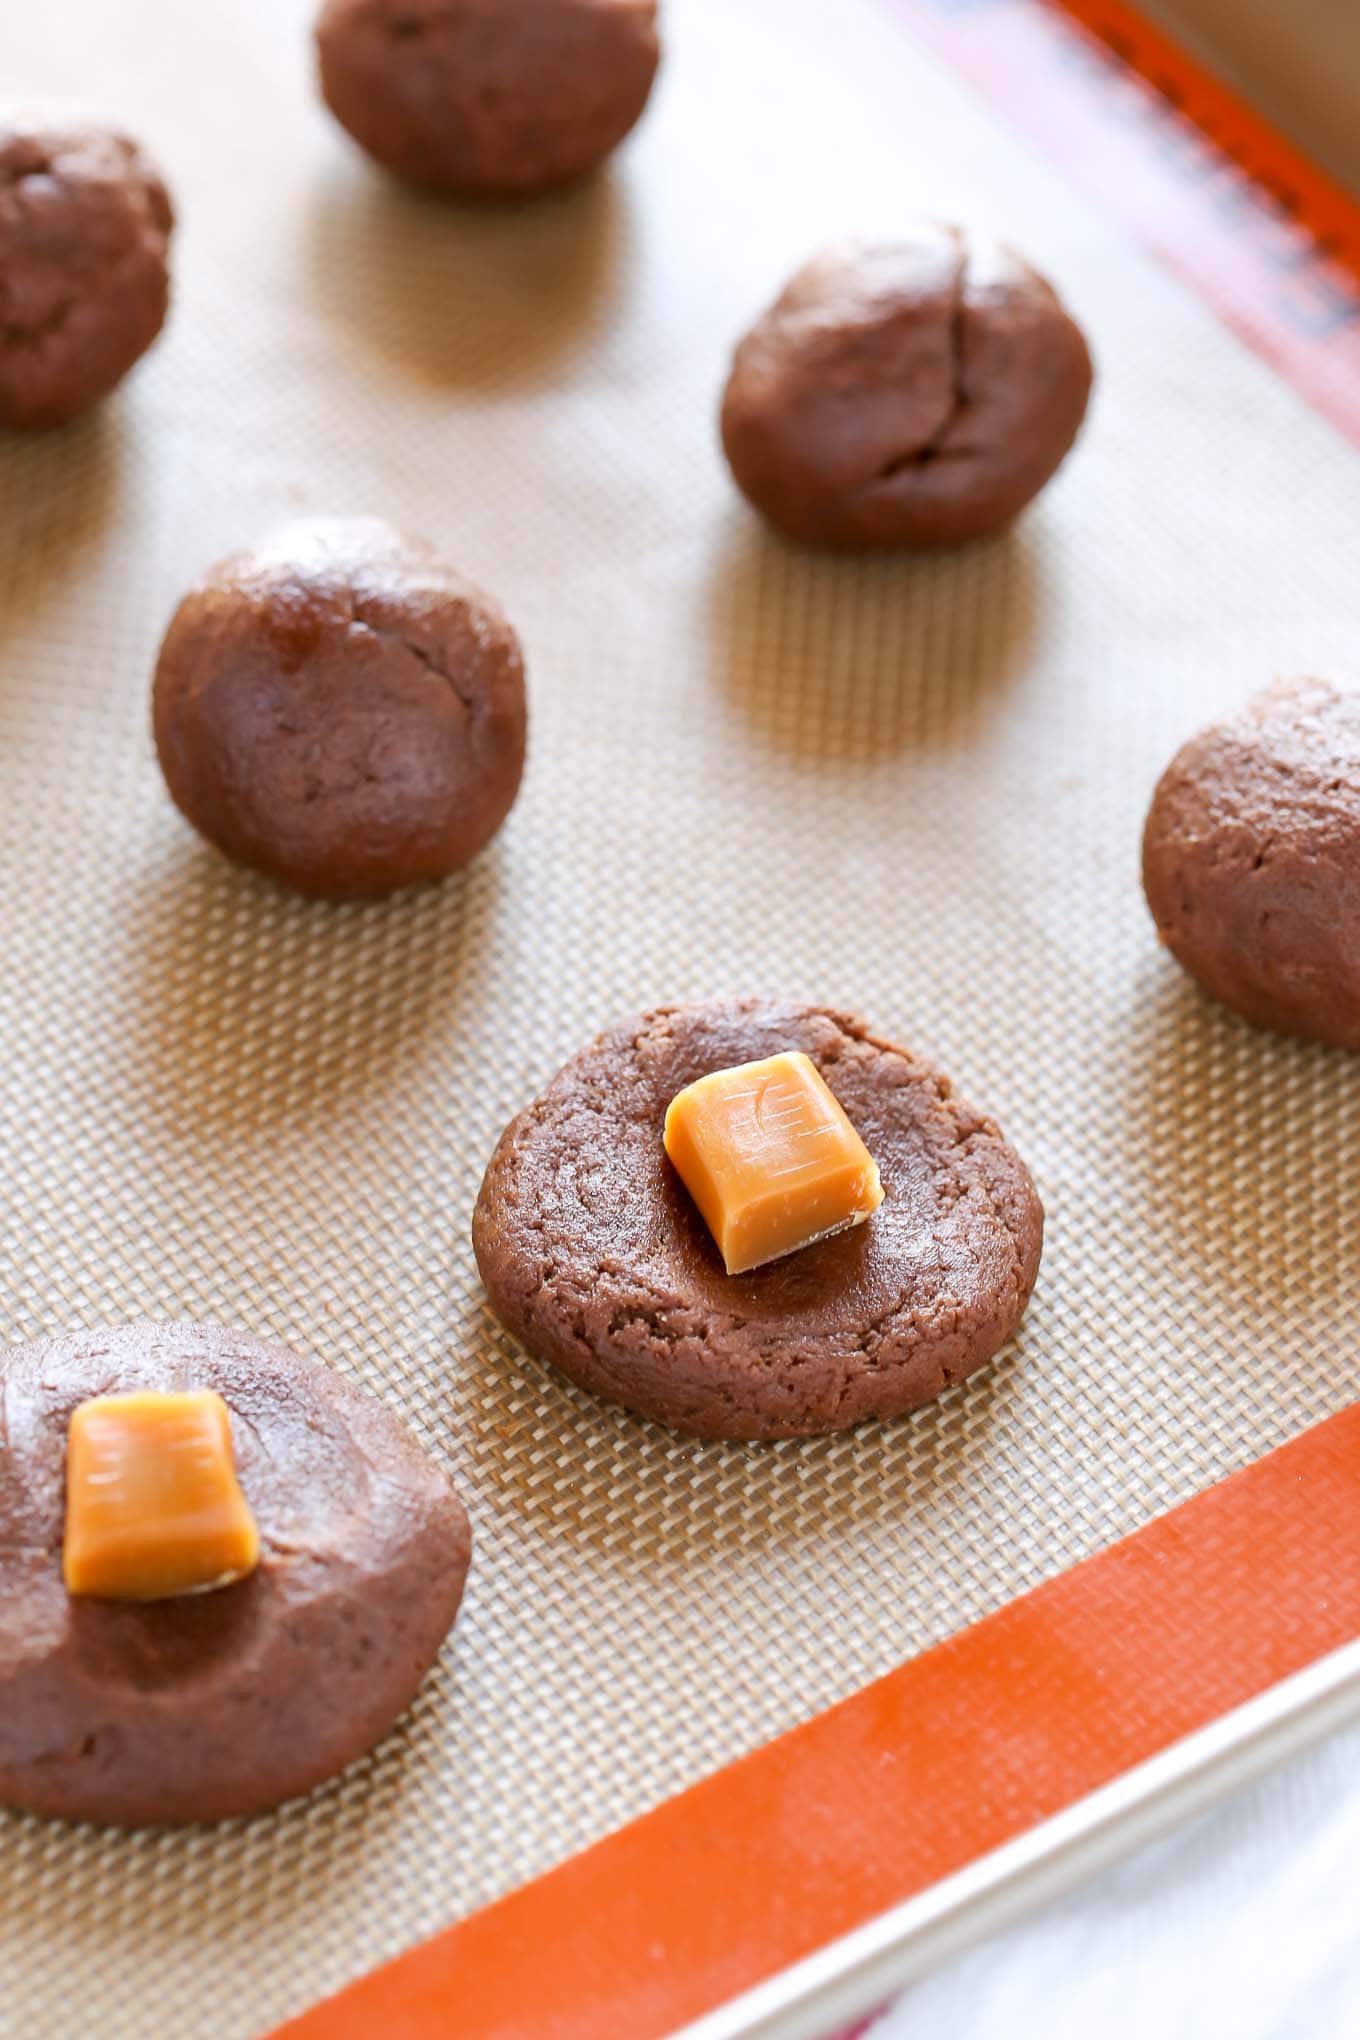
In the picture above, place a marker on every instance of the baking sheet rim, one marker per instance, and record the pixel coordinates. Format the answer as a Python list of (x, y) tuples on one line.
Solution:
[(861, 1971)]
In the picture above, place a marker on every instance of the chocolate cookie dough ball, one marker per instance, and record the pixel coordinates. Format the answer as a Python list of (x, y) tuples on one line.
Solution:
[(595, 1255), (84, 286), (915, 393), (488, 98), (1251, 860), (341, 710), (215, 1704)]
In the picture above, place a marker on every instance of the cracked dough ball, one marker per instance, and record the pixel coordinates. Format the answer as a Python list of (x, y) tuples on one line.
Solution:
[(917, 393), (341, 710), (84, 286), (488, 98), (595, 1256), (1251, 860)]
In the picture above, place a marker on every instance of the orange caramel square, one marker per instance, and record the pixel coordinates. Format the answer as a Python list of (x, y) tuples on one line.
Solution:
[(153, 1505), (768, 1155)]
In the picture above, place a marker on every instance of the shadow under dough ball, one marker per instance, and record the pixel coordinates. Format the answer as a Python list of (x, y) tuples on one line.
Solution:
[(488, 98), (341, 710), (914, 393), (85, 225), (1251, 860)]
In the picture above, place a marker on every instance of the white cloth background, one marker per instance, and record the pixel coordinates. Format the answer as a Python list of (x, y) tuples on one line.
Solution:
[(1244, 1925)]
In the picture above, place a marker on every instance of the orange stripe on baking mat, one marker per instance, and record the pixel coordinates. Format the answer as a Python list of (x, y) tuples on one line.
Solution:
[(960, 1750), (1261, 233)]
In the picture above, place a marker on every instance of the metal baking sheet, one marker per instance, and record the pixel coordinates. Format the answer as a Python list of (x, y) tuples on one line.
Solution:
[(911, 787), (858, 1971)]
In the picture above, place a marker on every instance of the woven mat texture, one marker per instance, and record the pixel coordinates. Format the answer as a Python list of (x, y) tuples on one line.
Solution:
[(911, 787)]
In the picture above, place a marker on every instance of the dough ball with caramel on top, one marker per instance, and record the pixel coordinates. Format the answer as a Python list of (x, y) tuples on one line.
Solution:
[(488, 98), (217, 1703), (596, 1256), (85, 224), (1251, 860), (913, 393), (341, 710)]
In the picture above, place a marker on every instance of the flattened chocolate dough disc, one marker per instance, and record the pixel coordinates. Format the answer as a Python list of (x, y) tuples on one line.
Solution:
[(227, 1702), (596, 1258), (1251, 860)]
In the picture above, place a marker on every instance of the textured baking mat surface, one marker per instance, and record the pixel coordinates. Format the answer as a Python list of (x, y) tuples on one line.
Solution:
[(912, 787)]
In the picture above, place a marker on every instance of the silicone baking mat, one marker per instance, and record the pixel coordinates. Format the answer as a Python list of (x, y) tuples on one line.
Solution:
[(912, 787)]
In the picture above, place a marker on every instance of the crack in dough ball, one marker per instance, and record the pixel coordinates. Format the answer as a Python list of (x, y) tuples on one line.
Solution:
[(915, 393)]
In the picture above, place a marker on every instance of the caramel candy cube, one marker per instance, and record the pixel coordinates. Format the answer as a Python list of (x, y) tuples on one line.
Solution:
[(768, 1155), (153, 1505)]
